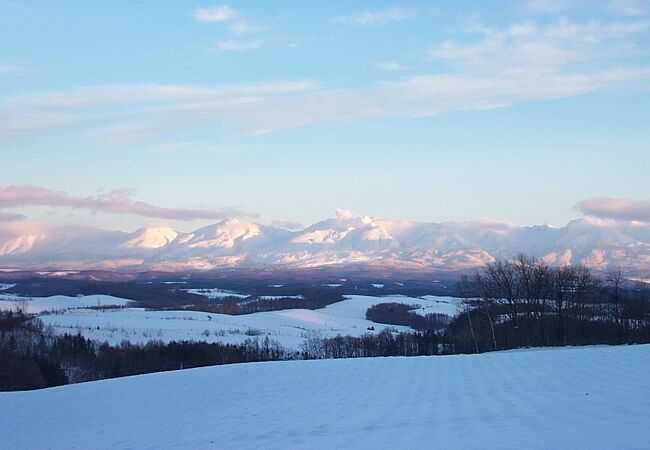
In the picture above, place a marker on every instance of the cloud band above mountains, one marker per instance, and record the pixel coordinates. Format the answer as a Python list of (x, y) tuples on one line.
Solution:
[(616, 208), (117, 201)]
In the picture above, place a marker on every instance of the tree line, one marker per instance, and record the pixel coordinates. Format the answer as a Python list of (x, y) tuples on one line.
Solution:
[(525, 302), (32, 358), (401, 314), (385, 343), (234, 306)]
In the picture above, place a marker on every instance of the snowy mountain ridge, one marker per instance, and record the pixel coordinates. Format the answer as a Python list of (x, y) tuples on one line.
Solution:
[(344, 240)]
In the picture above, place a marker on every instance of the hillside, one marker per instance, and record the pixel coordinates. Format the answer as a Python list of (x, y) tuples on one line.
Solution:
[(594, 397)]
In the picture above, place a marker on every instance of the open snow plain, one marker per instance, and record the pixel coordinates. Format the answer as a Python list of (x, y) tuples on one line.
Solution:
[(568, 398), (37, 305), (289, 327)]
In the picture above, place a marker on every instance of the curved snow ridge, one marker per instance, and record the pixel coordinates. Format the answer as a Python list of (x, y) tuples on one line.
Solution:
[(151, 237), (327, 236), (20, 244), (590, 397), (224, 235)]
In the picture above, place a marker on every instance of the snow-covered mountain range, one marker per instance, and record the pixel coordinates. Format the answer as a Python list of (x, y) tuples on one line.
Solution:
[(347, 240)]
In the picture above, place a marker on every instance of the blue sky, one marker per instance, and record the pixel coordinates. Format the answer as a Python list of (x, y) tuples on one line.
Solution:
[(431, 111)]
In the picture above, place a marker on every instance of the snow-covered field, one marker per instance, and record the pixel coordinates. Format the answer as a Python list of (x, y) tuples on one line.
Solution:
[(289, 327), (588, 398), (214, 293), (37, 305)]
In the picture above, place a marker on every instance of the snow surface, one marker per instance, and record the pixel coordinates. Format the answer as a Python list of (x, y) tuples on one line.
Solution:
[(290, 327), (445, 305), (37, 305), (151, 237), (590, 397), (277, 297), (214, 293)]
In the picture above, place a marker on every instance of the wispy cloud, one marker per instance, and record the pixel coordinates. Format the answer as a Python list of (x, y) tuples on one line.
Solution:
[(117, 201), (369, 18), (9, 69), (288, 225), (229, 45), (622, 7), (616, 208), (10, 217), (225, 14), (215, 14), (527, 48), (111, 113), (127, 112), (391, 66), (487, 68)]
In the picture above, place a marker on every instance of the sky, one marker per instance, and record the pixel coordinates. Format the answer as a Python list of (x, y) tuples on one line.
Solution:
[(117, 114)]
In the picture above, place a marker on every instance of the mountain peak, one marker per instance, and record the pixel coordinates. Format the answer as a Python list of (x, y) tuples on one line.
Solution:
[(151, 236), (348, 239), (224, 234)]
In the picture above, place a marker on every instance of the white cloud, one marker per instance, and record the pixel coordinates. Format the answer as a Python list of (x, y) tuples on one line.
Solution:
[(142, 113), (237, 45), (9, 69), (497, 68), (391, 66), (368, 18), (215, 14), (616, 209), (528, 48), (622, 7), (225, 14), (288, 225)]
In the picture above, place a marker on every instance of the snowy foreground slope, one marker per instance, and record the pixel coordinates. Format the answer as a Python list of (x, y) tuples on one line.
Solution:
[(593, 397)]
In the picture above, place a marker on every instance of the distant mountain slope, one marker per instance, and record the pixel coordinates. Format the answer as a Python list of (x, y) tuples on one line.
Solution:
[(347, 240)]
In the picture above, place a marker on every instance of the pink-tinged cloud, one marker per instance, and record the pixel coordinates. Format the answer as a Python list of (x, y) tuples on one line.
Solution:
[(10, 217), (616, 208), (117, 201)]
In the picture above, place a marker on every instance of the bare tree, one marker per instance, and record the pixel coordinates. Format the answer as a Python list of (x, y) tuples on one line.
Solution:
[(487, 303), (22, 305), (534, 282), (563, 286), (465, 290), (614, 281), (501, 285)]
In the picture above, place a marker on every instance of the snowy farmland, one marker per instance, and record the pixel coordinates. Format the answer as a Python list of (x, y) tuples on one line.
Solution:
[(214, 293), (289, 327), (37, 305), (590, 397)]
